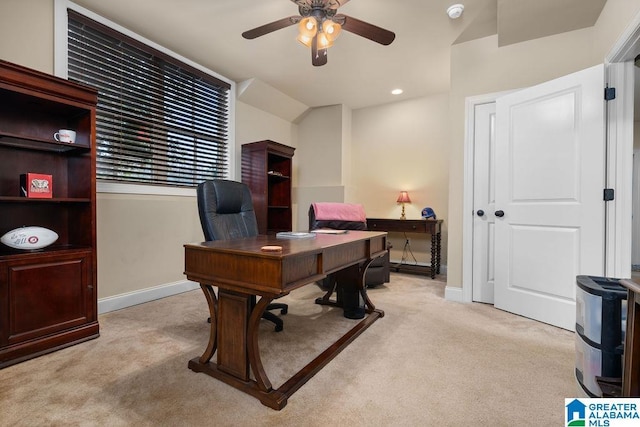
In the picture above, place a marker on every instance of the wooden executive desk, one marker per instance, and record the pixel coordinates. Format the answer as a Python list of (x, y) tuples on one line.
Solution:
[(242, 271)]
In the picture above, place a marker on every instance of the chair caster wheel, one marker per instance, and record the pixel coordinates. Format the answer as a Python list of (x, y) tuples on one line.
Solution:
[(284, 310)]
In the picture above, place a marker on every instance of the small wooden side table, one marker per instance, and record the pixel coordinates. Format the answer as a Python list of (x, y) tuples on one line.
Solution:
[(432, 227)]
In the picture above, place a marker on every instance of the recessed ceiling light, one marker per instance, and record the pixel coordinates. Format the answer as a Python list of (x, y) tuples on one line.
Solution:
[(455, 11), (396, 91)]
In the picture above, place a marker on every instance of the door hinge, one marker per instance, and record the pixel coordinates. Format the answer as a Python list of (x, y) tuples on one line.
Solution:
[(609, 93), (608, 194)]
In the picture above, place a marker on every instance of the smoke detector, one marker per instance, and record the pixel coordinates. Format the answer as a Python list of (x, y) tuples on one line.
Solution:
[(455, 11)]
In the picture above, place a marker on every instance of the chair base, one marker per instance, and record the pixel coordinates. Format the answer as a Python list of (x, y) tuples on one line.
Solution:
[(284, 308), (279, 325), (267, 315)]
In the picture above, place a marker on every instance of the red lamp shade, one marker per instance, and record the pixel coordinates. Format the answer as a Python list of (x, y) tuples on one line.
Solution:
[(403, 197)]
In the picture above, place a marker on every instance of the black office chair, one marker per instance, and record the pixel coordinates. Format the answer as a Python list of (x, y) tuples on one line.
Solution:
[(226, 212)]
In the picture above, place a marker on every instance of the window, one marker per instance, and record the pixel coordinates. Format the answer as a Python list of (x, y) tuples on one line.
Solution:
[(159, 121)]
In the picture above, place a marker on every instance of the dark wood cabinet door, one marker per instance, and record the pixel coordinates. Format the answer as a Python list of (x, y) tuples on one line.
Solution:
[(46, 295)]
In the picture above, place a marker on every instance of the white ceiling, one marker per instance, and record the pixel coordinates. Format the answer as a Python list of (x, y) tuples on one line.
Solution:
[(359, 72)]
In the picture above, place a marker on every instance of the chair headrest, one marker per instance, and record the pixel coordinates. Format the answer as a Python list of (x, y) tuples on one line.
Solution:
[(228, 196)]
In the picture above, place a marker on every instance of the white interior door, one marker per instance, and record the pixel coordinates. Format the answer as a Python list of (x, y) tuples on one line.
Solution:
[(483, 201), (550, 175)]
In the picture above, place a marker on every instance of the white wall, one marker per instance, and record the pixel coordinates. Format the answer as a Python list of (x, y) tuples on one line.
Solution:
[(254, 125), (319, 160), (403, 146), (26, 33)]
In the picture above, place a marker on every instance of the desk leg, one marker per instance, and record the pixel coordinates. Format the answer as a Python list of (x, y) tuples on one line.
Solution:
[(232, 326), (235, 323), (212, 301), (369, 307), (252, 345)]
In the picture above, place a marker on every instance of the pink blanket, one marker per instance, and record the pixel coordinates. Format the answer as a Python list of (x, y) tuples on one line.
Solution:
[(327, 211)]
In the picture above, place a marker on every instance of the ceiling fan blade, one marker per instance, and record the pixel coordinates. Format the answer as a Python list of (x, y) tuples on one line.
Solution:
[(318, 56), (270, 27), (366, 30)]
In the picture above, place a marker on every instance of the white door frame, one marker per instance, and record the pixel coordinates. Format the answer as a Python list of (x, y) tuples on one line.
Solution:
[(620, 169), (619, 73)]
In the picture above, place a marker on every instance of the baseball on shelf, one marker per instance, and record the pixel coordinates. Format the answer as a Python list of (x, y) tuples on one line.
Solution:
[(31, 237)]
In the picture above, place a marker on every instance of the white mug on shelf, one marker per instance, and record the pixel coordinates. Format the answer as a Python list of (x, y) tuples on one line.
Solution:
[(65, 135)]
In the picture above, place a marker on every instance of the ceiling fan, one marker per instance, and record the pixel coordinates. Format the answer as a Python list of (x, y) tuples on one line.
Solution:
[(320, 24)]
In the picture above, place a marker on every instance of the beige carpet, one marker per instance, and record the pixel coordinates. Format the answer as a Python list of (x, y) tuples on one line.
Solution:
[(428, 362)]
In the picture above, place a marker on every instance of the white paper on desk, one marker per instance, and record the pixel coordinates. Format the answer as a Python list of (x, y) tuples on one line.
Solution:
[(329, 231)]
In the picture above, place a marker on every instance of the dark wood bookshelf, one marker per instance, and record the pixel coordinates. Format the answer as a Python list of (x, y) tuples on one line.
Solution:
[(267, 169), (48, 296)]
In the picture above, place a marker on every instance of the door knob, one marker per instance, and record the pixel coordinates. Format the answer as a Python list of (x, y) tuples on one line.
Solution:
[(480, 213), (499, 214)]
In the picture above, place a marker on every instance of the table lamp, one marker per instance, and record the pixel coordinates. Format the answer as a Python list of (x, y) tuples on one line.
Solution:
[(403, 198)]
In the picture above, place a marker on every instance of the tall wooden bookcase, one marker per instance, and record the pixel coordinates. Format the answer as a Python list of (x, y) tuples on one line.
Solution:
[(266, 169), (48, 297)]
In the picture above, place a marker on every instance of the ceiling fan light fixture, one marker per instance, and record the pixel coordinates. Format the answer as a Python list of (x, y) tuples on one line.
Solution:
[(324, 42), (308, 27), (331, 29), (305, 40)]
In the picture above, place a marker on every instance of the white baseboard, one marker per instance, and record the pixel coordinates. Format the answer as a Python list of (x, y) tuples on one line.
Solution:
[(452, 293), (129, 299)]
